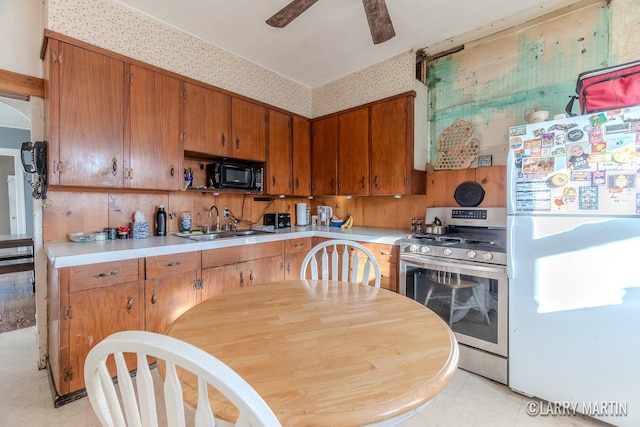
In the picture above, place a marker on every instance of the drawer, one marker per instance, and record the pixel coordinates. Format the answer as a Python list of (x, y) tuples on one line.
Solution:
[(294, 246), (166, 265), (382, 252), (235, 254), (91, 276)]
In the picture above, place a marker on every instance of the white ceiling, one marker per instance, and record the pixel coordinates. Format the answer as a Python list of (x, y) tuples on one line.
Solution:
[(331, 39)]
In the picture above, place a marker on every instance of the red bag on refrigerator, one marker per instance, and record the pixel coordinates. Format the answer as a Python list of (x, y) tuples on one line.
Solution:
[(607, 88)]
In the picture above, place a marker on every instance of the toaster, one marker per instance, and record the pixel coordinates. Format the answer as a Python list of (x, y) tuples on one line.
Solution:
[(278, 220)]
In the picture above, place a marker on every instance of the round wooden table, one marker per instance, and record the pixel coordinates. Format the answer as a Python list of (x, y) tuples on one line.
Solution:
[(324, 353)]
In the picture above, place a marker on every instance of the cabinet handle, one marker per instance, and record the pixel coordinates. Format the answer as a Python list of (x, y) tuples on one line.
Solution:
[(223, 140), (289, 268), (362, 182), (129, 303), (273, 180), (251, 276), (154, 299), (385, 276), (297, 183), (172, 264), (237, 143), (114, 166), (375, 181), (107, 274), (173, 171), (299, 245), (241, 279), (385, 253)]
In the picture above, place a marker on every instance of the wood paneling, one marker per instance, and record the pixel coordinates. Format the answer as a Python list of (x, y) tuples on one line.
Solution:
[(441, 185), (20, 86)]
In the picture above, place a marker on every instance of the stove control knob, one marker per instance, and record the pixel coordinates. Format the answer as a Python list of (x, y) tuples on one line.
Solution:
[(425, 249), (488, 256), (447, 251), (413, 248), (471, 254)]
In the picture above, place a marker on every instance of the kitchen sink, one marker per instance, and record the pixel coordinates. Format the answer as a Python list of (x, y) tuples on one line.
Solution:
[(222, 235)]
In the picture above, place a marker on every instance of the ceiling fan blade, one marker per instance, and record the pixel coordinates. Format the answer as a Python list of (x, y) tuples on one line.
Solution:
[(289, 13), (379, 20)]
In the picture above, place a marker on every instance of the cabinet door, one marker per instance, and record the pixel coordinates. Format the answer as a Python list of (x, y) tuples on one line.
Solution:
[(155, 150), (248, 130), (87, 104), (206, 120), (301, 156), (391, 147), (353, 152), (166, 298), (280, 154), (96, 314), (324, 147), (218, 280), (295, 250)]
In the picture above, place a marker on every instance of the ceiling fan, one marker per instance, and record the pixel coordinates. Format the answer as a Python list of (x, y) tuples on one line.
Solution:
[(376, 10)]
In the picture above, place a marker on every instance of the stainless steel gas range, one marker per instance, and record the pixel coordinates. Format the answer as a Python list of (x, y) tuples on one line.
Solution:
[(461, 275)]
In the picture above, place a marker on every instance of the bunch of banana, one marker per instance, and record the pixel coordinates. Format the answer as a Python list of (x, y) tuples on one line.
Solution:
[(348, 223)]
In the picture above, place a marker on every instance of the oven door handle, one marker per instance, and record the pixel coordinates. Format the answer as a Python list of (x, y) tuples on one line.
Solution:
[(448, 265)]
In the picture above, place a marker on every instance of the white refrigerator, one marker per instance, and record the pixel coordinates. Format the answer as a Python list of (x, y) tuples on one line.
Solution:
[(573, 258)]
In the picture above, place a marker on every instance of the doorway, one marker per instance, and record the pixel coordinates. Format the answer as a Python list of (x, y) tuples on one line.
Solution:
[(17, 296)]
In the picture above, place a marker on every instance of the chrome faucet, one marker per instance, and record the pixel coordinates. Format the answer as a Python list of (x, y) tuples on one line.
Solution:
[(217, 216)]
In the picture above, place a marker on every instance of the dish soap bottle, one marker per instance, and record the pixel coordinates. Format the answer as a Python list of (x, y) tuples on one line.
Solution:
[(161, 221)]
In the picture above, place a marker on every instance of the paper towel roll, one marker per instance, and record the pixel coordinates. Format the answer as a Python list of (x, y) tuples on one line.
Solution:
[(301, 214)]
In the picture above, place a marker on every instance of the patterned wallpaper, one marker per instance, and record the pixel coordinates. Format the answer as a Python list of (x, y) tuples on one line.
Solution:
[(391, 77), (110, 25)]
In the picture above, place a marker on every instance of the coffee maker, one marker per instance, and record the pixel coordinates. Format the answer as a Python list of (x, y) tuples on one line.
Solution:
[(324, 215)]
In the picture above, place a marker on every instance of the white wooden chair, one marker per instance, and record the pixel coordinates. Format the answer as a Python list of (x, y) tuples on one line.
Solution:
[(335, 262), (141, 410)]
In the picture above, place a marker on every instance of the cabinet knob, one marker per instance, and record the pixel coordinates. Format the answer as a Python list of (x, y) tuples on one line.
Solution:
[(224, 141), (107, 274), (154, 299), (129, 303), (237, 143), (173, 171), (114, 166), (241, 279)]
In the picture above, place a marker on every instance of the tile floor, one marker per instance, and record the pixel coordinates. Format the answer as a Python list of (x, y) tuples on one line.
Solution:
[(467, 401)]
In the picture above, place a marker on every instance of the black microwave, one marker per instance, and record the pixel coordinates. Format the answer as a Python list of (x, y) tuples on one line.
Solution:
[(234, 175)]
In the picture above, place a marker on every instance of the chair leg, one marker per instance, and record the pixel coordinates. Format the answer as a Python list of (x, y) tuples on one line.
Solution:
[(453, 302), (429, 292), (480, 303)]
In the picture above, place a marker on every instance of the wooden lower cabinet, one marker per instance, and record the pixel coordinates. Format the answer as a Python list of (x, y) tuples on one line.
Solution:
[(387, 257), (294, 252), (88, 303), (232, 268), (171, 287)]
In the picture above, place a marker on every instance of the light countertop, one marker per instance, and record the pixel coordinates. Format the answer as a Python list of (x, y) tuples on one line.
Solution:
[(68, 254)]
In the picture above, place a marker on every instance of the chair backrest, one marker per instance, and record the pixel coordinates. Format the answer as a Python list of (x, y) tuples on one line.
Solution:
[(141, 410), (335, 262)]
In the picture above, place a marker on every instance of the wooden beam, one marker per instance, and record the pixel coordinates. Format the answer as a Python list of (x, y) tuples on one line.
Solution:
[(20, 86)]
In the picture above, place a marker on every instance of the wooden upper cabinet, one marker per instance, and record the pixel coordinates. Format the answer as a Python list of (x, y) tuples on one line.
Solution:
[(391, 147), (155, 150), (324, 170), (441, 185), (353, 152), (248, 130), (85, 117), (279, 164), (301, 156), (206, 116)]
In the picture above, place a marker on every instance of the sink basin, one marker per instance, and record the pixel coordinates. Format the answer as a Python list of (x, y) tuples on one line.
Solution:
[(223, 235), (206, 237)]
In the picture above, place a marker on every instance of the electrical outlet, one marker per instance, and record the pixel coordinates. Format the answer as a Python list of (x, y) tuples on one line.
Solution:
[(225, 213)]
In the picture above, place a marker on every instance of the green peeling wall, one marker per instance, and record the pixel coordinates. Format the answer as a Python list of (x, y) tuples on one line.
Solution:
[(495, 82)]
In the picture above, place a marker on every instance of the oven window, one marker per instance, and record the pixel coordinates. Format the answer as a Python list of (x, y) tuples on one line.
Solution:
[(467, 303)]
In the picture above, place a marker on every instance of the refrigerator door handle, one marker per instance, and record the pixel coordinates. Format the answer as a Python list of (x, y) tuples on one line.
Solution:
[(510, 183), (510, 246)]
